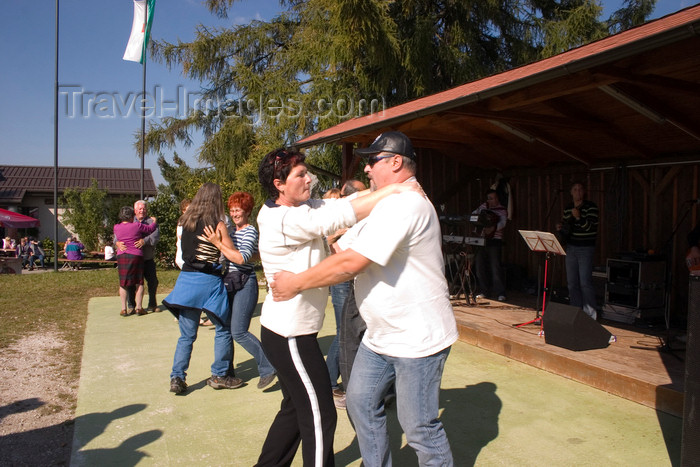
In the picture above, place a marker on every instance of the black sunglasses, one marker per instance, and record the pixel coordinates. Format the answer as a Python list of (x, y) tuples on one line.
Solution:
[(371, 160)]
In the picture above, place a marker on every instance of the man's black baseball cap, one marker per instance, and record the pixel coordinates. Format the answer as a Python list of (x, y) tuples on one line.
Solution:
[(394, 142)]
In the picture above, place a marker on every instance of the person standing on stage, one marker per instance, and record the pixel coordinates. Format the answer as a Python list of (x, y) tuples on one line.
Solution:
[(488, 257), (579, 226)]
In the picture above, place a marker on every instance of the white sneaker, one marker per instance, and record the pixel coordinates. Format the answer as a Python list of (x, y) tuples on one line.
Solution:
[(480, 296), (501, 298)]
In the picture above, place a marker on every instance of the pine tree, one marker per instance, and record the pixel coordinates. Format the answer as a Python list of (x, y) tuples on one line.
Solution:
[(267, 83)]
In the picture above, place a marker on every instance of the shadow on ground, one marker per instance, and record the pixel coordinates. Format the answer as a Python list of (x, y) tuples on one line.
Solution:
[(467, 437), (49, 445), (672, 431), (94, 424), (52, 445)]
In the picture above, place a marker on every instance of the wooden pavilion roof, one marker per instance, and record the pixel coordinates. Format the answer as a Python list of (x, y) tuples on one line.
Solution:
[(632, 96)]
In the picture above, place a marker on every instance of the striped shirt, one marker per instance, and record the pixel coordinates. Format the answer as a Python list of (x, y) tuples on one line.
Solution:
[(584, 231), (246, 241)]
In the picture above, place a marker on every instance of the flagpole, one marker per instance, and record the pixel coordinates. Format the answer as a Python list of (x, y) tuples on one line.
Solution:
[(55, 151), (136, 51), (143, 122), (143, 104)]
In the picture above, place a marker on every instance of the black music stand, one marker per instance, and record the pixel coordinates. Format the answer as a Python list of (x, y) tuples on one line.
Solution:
[(541, 242)]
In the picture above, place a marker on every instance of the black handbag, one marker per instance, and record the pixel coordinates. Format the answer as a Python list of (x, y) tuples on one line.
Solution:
[(235, 280)]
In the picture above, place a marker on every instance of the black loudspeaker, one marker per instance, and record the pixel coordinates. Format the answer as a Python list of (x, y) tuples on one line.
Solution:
[(690, 445), (569, 327)]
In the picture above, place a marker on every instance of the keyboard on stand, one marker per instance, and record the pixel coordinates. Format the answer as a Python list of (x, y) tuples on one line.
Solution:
[(475, 241)]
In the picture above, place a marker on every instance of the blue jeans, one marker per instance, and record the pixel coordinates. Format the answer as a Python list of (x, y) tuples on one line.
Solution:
[(579, 278), (352, 329), (33, 259), (242, 305), (339, 293), (223, 345), (417, 383)]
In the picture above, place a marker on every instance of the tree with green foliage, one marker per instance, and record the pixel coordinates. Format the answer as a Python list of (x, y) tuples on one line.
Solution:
[(576, 23), (86, 212), (92, 213), (165, 208), (267, 83)]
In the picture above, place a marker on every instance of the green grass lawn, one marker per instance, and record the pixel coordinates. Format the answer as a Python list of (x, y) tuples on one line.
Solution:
[(57, 302)]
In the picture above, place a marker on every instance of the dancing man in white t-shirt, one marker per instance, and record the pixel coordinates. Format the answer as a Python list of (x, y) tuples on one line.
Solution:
[(403, 297)]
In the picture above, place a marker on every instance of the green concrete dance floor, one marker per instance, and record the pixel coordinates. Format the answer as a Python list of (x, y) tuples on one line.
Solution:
[(496, 411)]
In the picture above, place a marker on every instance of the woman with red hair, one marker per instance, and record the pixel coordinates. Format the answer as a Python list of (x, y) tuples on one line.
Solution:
[(242, 285)]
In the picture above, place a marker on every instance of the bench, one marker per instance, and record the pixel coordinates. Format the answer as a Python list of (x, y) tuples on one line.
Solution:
[(74, 264)]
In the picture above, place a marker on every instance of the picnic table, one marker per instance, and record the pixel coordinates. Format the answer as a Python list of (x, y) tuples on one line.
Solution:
[(8, 252), (91, 257)]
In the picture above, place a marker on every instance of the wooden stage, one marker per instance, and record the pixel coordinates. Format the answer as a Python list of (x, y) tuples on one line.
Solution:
[(635, 367)]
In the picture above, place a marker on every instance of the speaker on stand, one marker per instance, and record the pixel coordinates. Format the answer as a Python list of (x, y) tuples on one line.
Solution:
[(690, 444)]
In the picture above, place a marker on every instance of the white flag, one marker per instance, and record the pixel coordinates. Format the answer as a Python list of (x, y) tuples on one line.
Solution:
[(140, 30)]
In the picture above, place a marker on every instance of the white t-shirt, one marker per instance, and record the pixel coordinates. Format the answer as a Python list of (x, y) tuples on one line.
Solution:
[(291, 239), (403, 295), (178, 247), (109, 252)]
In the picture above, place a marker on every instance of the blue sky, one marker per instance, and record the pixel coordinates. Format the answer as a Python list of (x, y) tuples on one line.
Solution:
[(93, 36)]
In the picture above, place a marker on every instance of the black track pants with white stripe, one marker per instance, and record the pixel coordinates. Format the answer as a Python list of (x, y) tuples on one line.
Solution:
[(307, 413)]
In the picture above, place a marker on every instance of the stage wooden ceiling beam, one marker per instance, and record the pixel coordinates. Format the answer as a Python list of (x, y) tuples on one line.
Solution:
[(656, 111), (529, 118), (565, 86), (607, 127), (655, 81)]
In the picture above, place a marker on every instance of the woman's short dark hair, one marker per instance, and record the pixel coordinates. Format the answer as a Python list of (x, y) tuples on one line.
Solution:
[(126, 214), (277, 165)]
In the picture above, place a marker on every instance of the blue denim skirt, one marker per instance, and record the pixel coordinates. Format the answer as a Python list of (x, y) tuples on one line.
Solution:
[(199, 291)]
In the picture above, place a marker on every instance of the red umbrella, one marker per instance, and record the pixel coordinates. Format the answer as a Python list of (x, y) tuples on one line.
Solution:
[(16, 220)]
